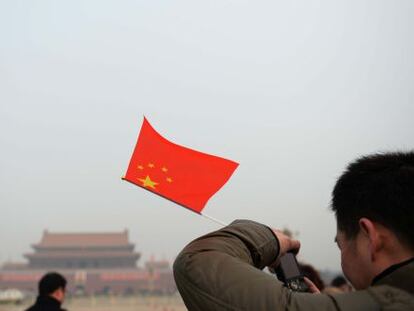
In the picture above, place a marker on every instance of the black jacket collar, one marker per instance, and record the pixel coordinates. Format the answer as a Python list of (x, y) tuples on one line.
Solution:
[(396, 276), (48, 301)]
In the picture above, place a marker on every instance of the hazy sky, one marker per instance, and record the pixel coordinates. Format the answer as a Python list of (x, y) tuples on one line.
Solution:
[(292, 90)]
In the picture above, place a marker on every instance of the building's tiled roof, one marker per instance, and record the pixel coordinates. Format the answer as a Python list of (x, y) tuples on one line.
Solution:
[(50, 239), (84, 254)]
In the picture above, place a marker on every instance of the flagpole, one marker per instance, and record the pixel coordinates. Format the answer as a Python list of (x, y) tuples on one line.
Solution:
[(214, 220)]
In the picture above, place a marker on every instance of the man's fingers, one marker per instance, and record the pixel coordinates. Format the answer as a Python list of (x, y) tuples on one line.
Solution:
[(312, 287), (294, 246)]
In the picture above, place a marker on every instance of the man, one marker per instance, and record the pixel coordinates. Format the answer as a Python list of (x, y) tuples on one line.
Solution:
[(373, 202), (51, 293)]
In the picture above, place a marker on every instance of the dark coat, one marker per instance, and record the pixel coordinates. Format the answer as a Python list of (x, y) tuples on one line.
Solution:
[(222, 271), (46, 303)]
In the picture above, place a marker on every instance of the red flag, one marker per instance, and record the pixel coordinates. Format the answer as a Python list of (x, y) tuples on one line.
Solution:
[(185, 176)]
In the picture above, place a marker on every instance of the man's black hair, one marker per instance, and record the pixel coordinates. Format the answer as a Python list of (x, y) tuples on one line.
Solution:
[(379, 187), (51, 282)]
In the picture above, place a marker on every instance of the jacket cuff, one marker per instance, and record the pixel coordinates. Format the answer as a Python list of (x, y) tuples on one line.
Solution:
[(258, 238)]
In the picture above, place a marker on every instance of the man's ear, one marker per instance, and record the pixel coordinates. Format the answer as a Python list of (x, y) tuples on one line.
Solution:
[(370, 231)]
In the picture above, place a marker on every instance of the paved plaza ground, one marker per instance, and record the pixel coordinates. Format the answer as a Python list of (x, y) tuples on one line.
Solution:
[(132, 303)]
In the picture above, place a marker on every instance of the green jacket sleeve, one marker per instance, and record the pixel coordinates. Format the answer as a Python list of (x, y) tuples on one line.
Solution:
[(223, 271)]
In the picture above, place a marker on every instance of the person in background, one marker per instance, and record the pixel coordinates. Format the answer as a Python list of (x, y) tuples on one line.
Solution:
[(338, 285), (52, 288)]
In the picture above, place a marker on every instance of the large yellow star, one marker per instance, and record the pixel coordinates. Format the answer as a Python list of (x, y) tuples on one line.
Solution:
[(147, 182)]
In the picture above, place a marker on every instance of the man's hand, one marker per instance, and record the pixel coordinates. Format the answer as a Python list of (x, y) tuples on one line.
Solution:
[(286, 244), (312, 287)]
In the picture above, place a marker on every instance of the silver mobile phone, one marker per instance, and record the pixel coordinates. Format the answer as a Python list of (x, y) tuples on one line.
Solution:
[(289, 273)]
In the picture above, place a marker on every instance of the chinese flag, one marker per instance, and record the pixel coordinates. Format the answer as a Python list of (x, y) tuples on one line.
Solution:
[(182, 175)]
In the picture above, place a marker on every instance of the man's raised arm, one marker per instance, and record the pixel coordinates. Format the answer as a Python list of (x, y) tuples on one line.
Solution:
[(223, 271)]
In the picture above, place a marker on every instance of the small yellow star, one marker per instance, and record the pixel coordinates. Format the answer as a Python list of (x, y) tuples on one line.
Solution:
[(147, 182), (140, 167), (169, 179), (164, 169), (151, 165)]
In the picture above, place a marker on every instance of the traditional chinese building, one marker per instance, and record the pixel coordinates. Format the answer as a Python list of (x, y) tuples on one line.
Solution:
[(83, 251), (92, 263)]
